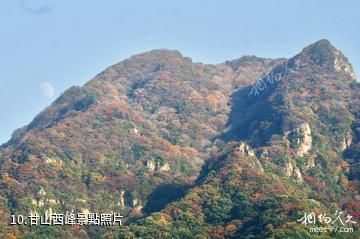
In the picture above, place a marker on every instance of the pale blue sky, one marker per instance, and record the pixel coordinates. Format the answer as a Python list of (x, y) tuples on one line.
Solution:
[(67, 42)]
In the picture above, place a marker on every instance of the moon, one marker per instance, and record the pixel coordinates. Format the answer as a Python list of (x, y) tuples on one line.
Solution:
[(47, 90)]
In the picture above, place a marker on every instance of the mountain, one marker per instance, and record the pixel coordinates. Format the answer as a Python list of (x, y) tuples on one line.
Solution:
[(147, 121), (290, 149), (188, 150)]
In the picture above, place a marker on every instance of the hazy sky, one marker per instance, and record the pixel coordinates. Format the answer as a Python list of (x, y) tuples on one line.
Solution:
[(46, 46)]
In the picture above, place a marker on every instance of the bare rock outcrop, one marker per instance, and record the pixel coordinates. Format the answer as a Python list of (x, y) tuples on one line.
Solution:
[(300, 138)]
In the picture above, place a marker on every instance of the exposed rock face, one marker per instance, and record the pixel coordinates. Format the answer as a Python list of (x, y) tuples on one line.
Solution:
[(342, 65), (134, 202), (52, 161), (293, 170), (306, 139), (42, 192), (245, 149), (53, 201), (300, 139), (122, 199), (256, 163), (289, 169), (298, 175), (41, 203), (150, 164), (153, 165), (310, 163), (346, 142), (164, 168), (127, 199)]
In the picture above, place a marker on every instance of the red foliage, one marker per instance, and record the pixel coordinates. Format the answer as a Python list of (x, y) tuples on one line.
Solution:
[(138, 119), (316, 185), (108, 114), (353, 209), (309, 180)]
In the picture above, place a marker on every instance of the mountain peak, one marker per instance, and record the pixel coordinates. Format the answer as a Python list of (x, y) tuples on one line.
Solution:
[(323, 54), (323, 43), (160, 53)]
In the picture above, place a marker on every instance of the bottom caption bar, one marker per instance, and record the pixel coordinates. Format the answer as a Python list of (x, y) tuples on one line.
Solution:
[(60, 219)]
